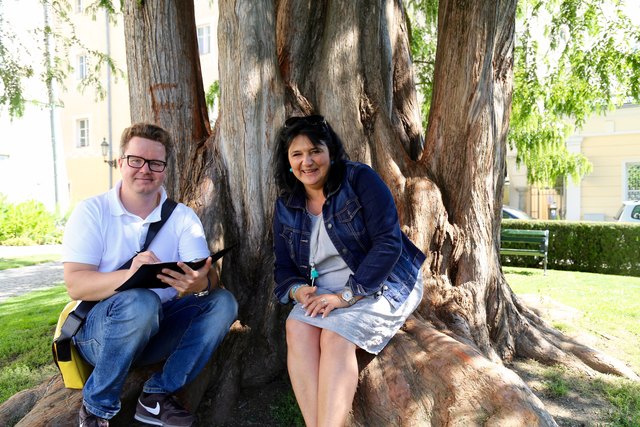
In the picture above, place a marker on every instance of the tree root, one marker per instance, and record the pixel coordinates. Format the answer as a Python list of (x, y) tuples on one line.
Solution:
[(425, 377), (532, 344)]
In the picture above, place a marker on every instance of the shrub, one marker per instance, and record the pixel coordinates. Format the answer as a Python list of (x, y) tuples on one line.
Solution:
[(28, 223), (18, 241), (596, 247)]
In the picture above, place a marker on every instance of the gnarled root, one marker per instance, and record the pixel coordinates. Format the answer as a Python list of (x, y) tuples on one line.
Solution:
[(425, 377), (534, 339)]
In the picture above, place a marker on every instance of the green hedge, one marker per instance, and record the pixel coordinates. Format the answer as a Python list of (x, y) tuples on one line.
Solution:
[(596, 247), (28, 223)]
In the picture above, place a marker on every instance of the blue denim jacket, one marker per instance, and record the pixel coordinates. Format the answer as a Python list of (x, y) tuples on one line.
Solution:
[(361, 219)]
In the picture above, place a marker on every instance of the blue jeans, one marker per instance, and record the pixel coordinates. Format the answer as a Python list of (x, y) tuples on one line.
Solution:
[(133, 328)]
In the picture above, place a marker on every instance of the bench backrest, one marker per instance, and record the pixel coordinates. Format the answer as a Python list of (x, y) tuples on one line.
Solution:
[(540, 237)]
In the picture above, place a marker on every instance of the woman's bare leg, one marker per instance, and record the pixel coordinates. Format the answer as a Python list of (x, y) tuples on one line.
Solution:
[(337, 379), (303, 360)]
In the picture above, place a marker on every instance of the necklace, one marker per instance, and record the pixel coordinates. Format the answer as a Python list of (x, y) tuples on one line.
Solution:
[(312, 261)]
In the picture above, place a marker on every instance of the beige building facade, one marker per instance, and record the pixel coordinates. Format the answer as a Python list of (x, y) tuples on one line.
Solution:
[(611, 142), (87, 123)]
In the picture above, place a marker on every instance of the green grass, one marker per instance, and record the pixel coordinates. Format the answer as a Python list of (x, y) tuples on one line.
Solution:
[(625, 397), (25, 261), (609, 308), (286, 411), (608, 305), (555, 383), (26, 331)]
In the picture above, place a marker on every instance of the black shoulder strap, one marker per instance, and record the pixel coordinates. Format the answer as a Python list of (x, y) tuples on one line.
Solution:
[(75, 319), (167, 208)]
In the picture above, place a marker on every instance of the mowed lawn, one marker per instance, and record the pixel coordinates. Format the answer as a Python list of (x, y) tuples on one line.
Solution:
[(606, 306)]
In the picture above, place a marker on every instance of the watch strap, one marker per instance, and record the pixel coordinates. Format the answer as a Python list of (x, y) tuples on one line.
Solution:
[(205, 292), (348, 301)]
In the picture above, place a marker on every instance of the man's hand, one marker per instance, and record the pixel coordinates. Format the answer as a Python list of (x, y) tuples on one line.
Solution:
[(190, 281), (146, 257)]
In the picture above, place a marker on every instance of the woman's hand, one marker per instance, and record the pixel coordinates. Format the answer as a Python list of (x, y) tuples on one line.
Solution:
[(303, 293), (188, 282), (323, 304)]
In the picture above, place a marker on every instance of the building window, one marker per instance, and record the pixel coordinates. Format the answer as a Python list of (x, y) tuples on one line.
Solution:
[(204, 39), (82, 133), (82, 67), (632, 182)]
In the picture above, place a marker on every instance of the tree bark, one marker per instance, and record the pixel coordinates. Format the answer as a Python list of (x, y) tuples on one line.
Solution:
[(465, 154), (165, 84), (350, 62)]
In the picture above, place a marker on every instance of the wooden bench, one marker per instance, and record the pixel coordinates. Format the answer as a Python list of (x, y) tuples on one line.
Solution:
[(527, 243)]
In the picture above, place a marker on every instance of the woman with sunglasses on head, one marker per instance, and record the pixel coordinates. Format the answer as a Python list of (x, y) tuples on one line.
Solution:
[(343, 261)]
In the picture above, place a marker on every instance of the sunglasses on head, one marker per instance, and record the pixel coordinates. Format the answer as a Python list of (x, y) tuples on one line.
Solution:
[(315, 120)]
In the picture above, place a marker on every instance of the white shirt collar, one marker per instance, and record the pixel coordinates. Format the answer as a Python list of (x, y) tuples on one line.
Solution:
[(116, 208)]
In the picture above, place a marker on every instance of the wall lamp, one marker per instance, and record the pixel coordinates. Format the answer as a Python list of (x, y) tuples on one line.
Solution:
[(104, 146)]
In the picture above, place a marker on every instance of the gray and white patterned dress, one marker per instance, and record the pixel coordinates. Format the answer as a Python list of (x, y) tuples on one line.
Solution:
[(371, 322)]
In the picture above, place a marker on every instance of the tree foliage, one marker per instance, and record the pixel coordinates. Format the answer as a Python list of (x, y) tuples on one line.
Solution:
[(18, 63), (573, 59), (423, 33), (12, 70), (27, 223)]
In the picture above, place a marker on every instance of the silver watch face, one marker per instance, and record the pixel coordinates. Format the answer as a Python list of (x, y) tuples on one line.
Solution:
[(347, 295)]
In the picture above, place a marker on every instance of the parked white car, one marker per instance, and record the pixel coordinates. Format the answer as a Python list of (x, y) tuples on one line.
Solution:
[(512, 213), (629, 212)]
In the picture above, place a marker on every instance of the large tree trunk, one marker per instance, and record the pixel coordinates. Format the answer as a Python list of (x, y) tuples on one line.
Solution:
[(465, 156), (165, 84), (349, 60)]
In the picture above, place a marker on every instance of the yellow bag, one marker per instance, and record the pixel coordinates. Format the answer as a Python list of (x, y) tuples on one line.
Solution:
[(74, 369)]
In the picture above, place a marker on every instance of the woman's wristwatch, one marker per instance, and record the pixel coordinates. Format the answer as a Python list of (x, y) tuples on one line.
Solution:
[(347, 296)]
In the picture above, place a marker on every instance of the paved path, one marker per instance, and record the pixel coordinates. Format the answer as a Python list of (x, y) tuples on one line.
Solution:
[(19, 251), (19, 281)]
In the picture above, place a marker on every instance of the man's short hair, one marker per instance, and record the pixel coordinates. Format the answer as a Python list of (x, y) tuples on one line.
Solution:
[(147, 131)]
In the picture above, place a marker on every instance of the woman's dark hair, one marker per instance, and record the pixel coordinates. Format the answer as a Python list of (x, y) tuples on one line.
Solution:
[(319, 132)]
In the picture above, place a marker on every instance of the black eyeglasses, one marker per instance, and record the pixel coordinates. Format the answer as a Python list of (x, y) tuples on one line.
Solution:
[(315, 120), (138, 162)]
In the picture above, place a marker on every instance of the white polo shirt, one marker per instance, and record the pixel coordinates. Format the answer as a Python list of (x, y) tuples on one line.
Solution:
[(101, 232)]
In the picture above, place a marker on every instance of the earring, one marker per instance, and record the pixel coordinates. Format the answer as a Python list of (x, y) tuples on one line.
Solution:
[(290, 169), (331, 161)]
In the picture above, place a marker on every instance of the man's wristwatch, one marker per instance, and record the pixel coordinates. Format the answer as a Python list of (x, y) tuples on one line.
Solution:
[(205, 292), (347, 296)]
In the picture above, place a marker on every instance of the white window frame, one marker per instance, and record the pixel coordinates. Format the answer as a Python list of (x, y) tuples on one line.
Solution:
[(82, 67), (82, 133), (204, 39), (630, 193)]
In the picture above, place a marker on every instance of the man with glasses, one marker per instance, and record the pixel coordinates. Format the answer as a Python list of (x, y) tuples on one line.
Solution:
[(181, 324)]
